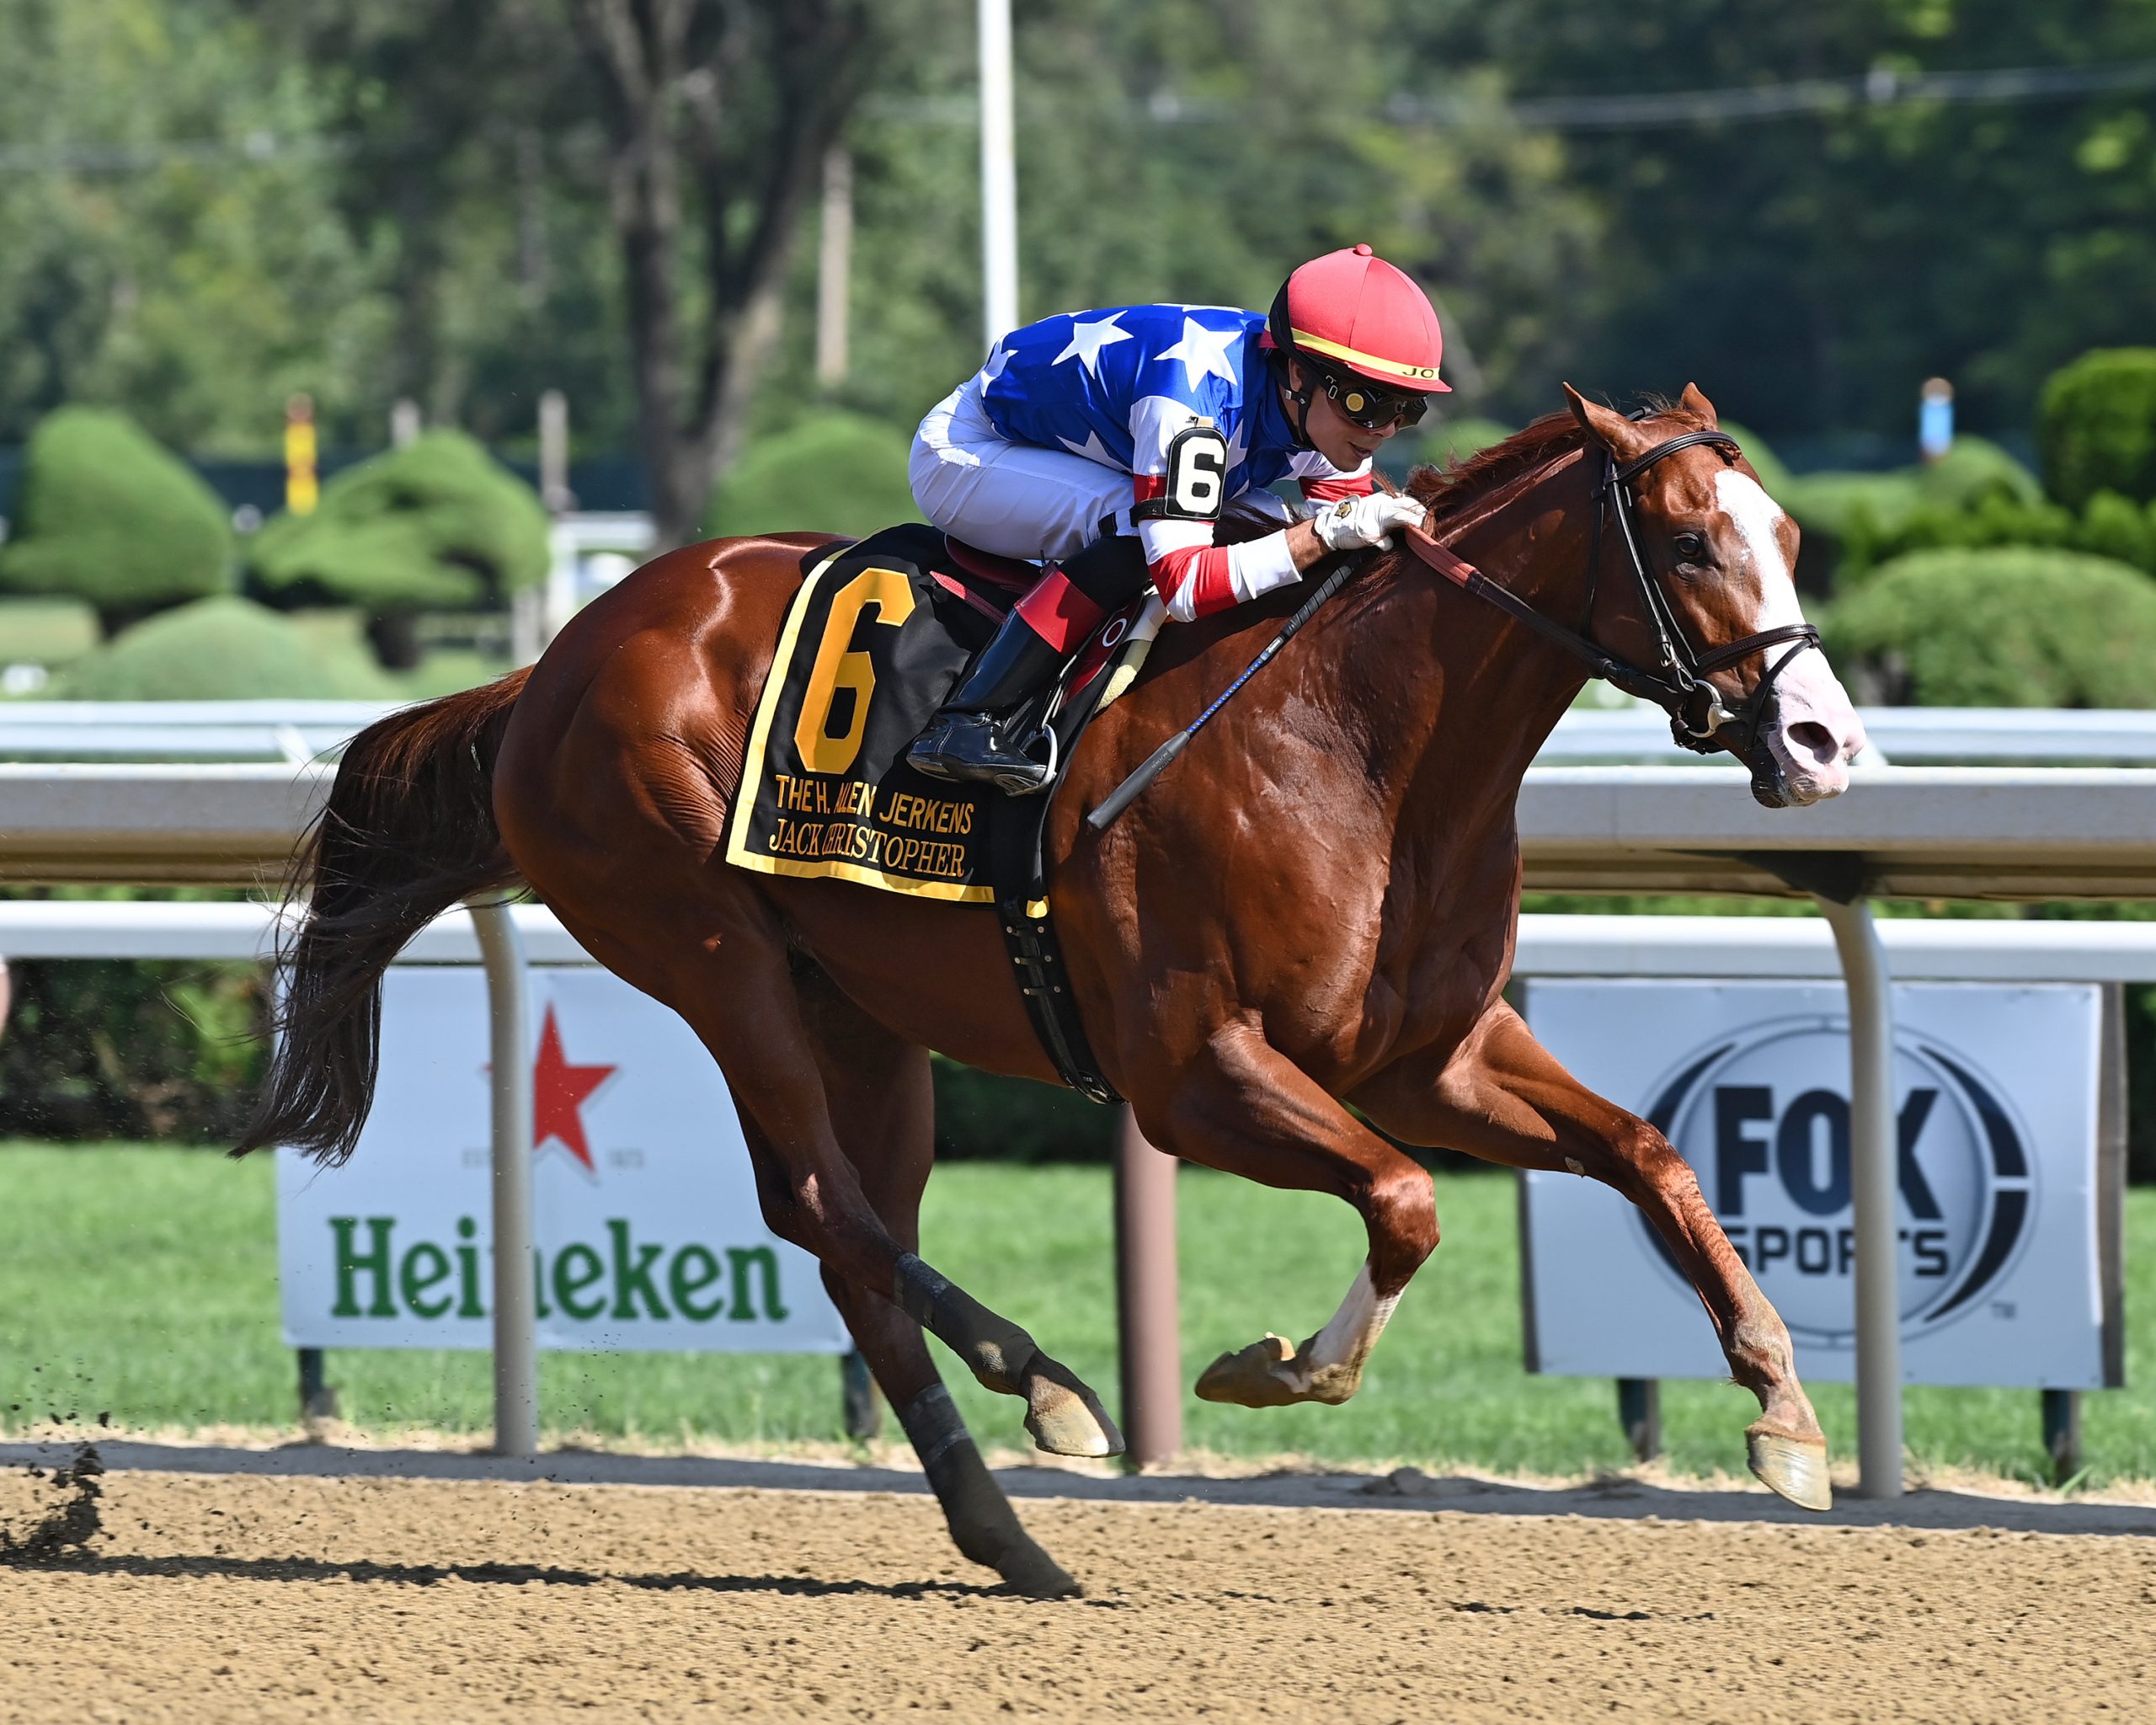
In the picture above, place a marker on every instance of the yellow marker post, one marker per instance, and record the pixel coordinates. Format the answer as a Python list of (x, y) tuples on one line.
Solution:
[(302, 484)]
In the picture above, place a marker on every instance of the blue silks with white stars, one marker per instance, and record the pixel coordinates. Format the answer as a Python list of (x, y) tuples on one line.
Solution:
[(1115, 385)]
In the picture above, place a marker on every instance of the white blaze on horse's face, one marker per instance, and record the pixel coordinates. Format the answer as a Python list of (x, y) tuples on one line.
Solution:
[(1816, 733)]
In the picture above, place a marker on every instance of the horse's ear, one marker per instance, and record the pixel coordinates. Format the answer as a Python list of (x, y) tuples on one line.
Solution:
[(1693, 401), (1622, 437)]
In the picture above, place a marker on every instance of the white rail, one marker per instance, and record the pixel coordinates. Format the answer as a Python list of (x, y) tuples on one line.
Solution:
[(301, 731), (1907, 736), (1917, 950), (1918, 831)]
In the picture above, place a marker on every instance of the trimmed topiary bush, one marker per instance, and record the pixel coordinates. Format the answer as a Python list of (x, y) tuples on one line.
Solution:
[(1975, 494), (2097, 426), (107, 516), (224, 648), (439, 525), (830, 472), (1973, 469), (2011, 627)]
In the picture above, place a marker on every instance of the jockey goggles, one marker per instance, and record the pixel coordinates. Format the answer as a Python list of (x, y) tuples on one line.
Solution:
[(1364, 402)]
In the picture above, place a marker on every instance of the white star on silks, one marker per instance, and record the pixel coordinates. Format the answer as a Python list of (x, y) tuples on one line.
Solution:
[(1092, 449), (1087, 339), (1203, 352), (999, 356)]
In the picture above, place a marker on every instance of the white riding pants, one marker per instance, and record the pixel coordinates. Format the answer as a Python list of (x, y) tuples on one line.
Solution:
[(1011, 499)]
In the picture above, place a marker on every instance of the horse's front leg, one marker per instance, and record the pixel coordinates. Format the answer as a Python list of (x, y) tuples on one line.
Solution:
[(1502, 1095), (1242, 1106)]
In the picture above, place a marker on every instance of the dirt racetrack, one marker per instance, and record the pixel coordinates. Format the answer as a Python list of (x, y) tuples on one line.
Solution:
[(207, 1598)]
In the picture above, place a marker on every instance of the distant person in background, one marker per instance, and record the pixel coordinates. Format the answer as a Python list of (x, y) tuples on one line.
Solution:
[(1111, 441)]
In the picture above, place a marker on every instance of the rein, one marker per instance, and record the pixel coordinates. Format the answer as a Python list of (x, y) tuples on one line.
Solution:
[(1679, 685)]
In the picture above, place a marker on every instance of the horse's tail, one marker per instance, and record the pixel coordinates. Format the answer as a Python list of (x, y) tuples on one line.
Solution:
[(409, 831)]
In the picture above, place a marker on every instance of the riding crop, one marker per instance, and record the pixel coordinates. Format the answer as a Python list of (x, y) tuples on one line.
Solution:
[(1124, 794)]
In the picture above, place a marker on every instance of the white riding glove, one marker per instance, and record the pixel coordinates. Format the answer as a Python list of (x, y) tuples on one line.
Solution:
[(1356, 521)]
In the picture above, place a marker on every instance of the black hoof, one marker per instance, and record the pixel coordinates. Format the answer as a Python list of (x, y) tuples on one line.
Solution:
[(1030, 1570)]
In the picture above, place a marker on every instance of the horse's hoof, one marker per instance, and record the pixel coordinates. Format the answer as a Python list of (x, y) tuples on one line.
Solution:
[(1791, 1466), (1027, 1569), (1252, 1376), (1066, 1418)]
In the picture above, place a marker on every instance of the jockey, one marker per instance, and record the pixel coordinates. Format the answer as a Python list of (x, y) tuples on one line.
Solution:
[(1111, 441)]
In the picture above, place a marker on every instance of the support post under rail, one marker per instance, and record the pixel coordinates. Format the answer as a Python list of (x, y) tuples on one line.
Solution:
[(1872, 1177), (1146, 1307), (517, 1374)]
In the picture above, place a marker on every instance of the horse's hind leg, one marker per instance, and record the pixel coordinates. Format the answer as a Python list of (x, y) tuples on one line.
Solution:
[(735, 985), (882, 1104), (1504, 1098)]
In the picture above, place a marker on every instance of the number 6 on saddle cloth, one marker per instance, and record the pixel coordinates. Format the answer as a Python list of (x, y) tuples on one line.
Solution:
[(876, 638)]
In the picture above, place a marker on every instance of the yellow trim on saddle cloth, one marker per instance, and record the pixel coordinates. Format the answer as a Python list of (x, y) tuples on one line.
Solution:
[(752, 772)]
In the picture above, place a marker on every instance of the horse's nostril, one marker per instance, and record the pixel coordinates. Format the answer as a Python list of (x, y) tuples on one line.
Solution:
[(1809, 737)]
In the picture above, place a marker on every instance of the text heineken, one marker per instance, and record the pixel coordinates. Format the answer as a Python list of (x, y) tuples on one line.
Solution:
[(624, 1280)]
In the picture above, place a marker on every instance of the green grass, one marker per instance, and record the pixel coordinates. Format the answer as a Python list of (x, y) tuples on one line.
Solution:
[(141, 1283)]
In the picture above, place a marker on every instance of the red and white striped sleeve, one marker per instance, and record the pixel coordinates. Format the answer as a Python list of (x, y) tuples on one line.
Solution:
[(1194, 576)]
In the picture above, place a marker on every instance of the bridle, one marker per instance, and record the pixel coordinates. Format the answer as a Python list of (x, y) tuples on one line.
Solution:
[(1678, 682)]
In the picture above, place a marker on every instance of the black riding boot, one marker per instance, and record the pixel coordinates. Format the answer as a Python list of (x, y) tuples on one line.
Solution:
[(968, 741)]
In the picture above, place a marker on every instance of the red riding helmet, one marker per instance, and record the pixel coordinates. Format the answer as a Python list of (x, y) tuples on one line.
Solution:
[(1352, 310)]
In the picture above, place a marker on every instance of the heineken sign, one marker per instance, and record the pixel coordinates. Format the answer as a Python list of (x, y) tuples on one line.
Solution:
[(2003, 1202), (646, 1230)]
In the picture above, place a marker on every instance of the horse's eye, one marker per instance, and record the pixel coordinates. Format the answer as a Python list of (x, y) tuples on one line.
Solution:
[(1690, 547)]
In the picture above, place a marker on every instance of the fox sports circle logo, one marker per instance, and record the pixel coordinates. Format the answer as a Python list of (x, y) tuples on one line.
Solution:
[(1762, 1113)]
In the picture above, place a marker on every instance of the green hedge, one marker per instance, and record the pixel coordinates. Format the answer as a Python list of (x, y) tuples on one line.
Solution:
[(1975, 494), (439, 525), (830, 472), (103, 1049), (2097, 427), (2109, 526), (980, 1117), (226, 648), (108, 516), (2012, 627)]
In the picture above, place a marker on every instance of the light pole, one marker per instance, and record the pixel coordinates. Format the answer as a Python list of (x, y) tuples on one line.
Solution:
[(999, 174)]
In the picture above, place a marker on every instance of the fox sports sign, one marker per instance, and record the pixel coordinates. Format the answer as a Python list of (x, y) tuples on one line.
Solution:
[(1999, 1218)]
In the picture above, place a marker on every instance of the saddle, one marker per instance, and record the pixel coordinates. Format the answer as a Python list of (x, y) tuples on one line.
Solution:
[(878, 634)]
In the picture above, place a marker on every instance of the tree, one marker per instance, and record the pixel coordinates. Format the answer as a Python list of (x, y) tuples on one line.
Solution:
[(719, 113), (168, 239)]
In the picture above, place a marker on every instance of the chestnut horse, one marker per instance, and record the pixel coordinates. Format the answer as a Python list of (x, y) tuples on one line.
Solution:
[(1315, 908)]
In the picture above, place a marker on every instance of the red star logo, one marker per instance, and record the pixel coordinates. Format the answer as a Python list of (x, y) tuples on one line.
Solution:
[(560, 1091)]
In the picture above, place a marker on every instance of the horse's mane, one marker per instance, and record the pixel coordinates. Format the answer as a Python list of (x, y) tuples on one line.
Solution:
[(1449, 489)]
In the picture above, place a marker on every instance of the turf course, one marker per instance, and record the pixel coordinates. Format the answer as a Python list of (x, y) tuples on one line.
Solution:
[(140, 1283)]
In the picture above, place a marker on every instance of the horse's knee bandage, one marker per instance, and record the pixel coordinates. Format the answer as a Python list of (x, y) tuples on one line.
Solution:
[(997, 1351), (916, 1289), (933, 1427)]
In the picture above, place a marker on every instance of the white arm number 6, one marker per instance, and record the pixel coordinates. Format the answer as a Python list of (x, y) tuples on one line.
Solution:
[(1198, 473)]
